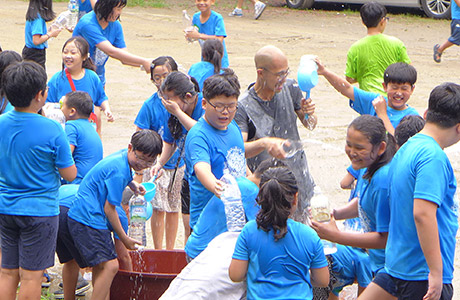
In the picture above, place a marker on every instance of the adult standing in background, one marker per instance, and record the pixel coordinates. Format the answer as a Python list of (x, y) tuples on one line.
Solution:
[(267, 114)]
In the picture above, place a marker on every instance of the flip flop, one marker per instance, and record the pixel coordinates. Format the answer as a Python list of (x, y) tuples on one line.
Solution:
[(436, 53)]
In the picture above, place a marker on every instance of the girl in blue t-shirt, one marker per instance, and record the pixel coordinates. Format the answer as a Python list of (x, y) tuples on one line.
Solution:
[(6, 58), (282, 258), (370, 149), (36, 31), (78, 74), (180, 97), (212, 53)]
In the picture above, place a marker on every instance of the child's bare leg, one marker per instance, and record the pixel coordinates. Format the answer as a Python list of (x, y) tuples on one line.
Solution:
[(172, 223), (332, 296), (103, 275), (157, 223), (124, 260), (31, 284), (9, 279), (374, 291), (69, 278), (360, 289), (186, 221), (444, 46)]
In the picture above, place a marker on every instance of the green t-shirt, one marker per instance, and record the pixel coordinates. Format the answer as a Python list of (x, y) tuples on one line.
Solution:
[(368, 58)]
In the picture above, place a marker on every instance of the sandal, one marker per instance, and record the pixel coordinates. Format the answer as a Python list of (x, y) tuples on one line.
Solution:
[(46, 280), (436, 53)]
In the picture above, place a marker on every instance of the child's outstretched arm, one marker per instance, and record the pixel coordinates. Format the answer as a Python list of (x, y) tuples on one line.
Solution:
[(107, 111), (339, 83), (380, 106), (427, 231), (38, 39), (124, 56), (112, 215), (207, 179), (194, 34)]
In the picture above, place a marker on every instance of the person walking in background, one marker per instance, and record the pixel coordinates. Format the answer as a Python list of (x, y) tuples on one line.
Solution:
[(454, 38), (259, 8)]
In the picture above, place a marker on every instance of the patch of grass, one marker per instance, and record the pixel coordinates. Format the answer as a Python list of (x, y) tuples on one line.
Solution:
[(148, 3)]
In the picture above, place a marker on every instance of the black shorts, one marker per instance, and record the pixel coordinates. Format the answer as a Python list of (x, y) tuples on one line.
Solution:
[(36, 55), (415, 290), (386, 282), (65, 247), (28, 242), (94, 246), (185, 197)]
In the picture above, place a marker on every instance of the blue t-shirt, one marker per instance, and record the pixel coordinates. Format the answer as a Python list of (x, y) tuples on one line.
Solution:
[(454, 10), (84, 8), (32, 148), (363, 105), (374, 209), (89, 28), (221, 149), (34, 27), (88, 146), (348, 264), (201, 71), (420, 170), (213, 26), (67, 193), (123, 221), (355, 223), (59, 86), (281, 268), (105, 181), (213, 220), (8, 106)]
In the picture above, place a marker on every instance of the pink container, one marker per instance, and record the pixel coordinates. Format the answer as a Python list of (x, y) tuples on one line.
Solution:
[(153, 272)]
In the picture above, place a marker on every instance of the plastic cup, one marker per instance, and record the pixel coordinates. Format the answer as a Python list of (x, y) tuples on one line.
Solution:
[(307, 74), (151, 189)]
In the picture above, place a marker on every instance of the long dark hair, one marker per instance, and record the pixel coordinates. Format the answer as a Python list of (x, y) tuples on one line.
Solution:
[(42, 7), (103, 8), (374, 130), (181, 85), (276, 195), (82, 46), (212, 52)]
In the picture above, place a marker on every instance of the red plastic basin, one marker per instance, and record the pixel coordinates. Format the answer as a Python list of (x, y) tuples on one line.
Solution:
[(153, 272)]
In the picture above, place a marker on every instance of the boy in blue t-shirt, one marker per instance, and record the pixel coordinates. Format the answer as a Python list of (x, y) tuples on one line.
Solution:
[(209, 25), (85, 143), (419, 255), (398, 83), (95, 206), (454, 38), (34, 155), (214, 143)]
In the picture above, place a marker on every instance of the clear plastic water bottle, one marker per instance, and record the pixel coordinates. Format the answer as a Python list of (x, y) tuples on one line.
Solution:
[(138, 216), (62, 20), (73, 18), (321, 213), (291, 147), (188, 24), (234, 210), (53, 111)]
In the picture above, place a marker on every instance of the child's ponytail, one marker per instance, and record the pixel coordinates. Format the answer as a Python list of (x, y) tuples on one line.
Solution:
[(278, 188), (212, 52)]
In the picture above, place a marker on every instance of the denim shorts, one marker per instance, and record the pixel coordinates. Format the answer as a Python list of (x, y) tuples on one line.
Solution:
[(28, 242), (94, 246), (455, 32)]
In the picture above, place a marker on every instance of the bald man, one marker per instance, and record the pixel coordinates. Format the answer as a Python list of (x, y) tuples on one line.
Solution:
[(267, 114)]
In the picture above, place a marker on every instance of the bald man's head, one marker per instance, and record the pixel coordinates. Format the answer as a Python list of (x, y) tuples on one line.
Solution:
[(265, 57)]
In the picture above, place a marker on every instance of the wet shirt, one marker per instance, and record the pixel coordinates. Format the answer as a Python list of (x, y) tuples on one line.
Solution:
[(32, 149), (213, 222), (428, 175), (280, 268)]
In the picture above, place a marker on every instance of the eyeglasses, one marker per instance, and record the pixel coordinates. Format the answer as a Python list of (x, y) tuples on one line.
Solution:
[(280, 75), (148, 162), (220, 107)]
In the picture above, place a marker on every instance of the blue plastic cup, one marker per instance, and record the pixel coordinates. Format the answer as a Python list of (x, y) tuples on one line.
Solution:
[(151, 189), (307, 74)]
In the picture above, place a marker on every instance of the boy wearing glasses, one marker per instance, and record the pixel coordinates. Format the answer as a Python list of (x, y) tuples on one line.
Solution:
[(368, 58), (85, 143), (267, 115), (214, 143)]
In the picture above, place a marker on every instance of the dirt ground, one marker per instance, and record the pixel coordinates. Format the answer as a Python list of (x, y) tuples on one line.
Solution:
[(151, 32)]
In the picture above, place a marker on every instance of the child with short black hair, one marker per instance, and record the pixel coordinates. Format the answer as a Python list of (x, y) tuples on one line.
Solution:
[(210, 25), (7, 58), (31, 166), (95, 206), (408, 127), (85, 143), (36, 31), (399, 84), (281, 257), (214, 143)]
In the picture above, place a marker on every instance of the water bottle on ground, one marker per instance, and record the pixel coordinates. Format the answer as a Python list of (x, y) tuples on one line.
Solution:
[(234, 210), (321, 213), (73, 18), (138, 217), (188, 24)]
